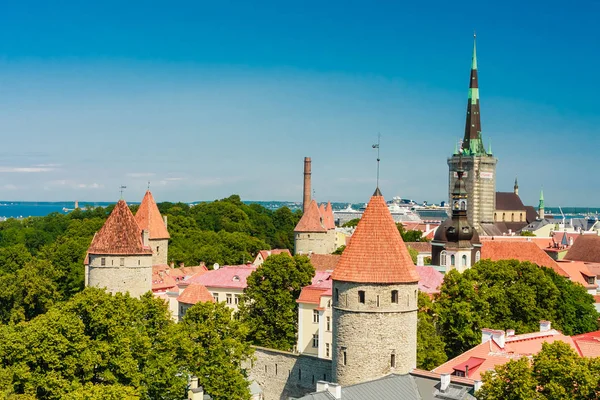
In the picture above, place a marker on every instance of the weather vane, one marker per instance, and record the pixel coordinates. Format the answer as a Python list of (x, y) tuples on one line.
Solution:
[(121, 189), (148, 185), (376, 146)]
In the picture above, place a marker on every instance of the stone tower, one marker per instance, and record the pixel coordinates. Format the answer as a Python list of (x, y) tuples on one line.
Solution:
[(306, 195), (148, 218), (541, 213), (119, 258), (315, 232), (479, 165), (456, 244), (375, 291)]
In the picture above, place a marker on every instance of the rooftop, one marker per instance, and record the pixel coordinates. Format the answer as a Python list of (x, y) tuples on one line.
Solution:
[(148, 217), (195, 293), (312, 220), (496, 250), (231, 276)]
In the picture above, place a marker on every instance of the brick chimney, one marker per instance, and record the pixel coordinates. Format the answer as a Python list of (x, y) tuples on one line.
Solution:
[(307, 182)]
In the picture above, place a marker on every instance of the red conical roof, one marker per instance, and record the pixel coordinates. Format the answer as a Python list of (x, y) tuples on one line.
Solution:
[(329, 217), (311, 221), (120, 234), (148, 217), (376, 252)]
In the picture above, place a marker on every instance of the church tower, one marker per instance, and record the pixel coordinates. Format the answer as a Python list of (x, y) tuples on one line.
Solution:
[(148, 218), (119, 257), (479, 164), (456, 244), (541, 213), (375, 292)]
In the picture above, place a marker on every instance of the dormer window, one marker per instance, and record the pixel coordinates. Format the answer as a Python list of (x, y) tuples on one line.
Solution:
[(236, 278)]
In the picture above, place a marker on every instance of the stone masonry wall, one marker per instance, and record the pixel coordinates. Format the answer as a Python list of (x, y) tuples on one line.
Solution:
[(282, 374), (316, 242), (160, 251), (370, 333), (135, 276)]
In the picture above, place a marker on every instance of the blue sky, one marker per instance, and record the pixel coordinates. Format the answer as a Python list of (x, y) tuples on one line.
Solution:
[(206, 99)]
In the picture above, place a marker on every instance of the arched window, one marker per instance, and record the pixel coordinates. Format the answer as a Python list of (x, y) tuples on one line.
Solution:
[(503, 216), (477, 256), (512, 217), (394, 296), (521, 217), (443, 260), (464, 260), (452, 261), (463, 205)]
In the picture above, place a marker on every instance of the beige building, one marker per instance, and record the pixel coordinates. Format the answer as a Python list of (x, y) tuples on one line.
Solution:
[(119, 257), (315, 323)]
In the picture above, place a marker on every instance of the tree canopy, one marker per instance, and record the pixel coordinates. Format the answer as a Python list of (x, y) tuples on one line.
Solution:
[(268, 304), (556, 372), (430, 343), (509, 294)]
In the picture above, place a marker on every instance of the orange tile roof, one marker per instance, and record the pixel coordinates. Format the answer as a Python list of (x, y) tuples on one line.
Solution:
[(588, 344), (376, 253), (311, 295), (578, 272), (148, 217), (324, 262), (586, 248), (120, 234), (195, 293), (311, 221), (266, 253), (161, 281), (496, 250), (328, 216)]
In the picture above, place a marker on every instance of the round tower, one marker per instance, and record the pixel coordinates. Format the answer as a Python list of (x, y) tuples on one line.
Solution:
[(375, 292)]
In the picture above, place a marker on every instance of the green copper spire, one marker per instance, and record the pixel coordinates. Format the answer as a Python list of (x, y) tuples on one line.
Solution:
[(474, 61), (472, 142), (490, 147), (541, 205)]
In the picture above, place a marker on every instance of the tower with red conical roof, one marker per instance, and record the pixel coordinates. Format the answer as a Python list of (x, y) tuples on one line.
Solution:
[(375, 291), (479, 164), (119, 257), (315, 232), (148, 218)]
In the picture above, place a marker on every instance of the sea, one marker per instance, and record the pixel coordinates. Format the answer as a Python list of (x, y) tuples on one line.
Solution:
[(24, 209)]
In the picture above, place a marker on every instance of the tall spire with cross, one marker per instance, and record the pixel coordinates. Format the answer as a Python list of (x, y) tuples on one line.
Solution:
[(472, 142)]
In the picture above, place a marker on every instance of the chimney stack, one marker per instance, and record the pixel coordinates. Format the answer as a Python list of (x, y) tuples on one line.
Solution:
[(307, 194)]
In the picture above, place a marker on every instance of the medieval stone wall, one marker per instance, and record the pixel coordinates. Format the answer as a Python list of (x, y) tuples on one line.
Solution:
[(315, 242), (134, 276), (282, 374), (160, 250), (374, 338), (480, 182)]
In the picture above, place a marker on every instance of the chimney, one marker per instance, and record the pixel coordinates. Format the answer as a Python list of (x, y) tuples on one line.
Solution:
[(195, 392), (307, 173), (510, 332), (172, 264), (146, 237), (545, 326), (165, 220), (477, 385), (496, 335), (444, 382), (335, 389)]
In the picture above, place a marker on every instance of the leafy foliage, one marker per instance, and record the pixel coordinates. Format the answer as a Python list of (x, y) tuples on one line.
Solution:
[(557, 372), (430, 343), (509, 295), (339, 250), (411, 235), (269, 305), (352, 223)]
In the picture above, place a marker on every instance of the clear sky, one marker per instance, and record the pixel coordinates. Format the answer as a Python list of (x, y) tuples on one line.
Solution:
[(209, 98)]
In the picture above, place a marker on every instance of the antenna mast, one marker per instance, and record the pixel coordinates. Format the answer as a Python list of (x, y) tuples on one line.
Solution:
[(122, 189), (376, 146)]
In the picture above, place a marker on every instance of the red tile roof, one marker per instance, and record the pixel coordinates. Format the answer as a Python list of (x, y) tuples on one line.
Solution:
[(421, 247), (162, 281), (311, 221), (578, 272), (148, 217), (586, 248), (588, 344), (266, 253), (231, 276), (311, 295), (120, 234), (195, 293), (496, 250), (324, 262), (376, 253), (328, 216)]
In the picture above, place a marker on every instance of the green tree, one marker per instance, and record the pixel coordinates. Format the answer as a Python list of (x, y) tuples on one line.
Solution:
[(430, 344), (527, 233), (410, 235), (413, 254), (557, 372), (268, 304), (352, 223), (340, 250), (214, 347)]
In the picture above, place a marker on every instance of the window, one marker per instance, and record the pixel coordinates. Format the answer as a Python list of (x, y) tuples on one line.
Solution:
[(452, 261), (521, 217), (315, 341), (157, 250), (591, 280), (228, 297), (122, 262), (300, 374), (337, 296), (216, 296), (103, 261), (443, 260), (315, 316), (477, 256), (345, 357), (361, 296), (237, 299), (393, 361), (512, 217), (328, 324), (326, 349), (395, 296), (503, 216), (464, 260), (377, 300), (275, 369)]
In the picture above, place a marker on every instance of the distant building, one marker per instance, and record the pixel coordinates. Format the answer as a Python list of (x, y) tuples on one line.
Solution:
[(263, 254), (315, 232), (193, 294), (479, 165), (148, 218), (119, 257)]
